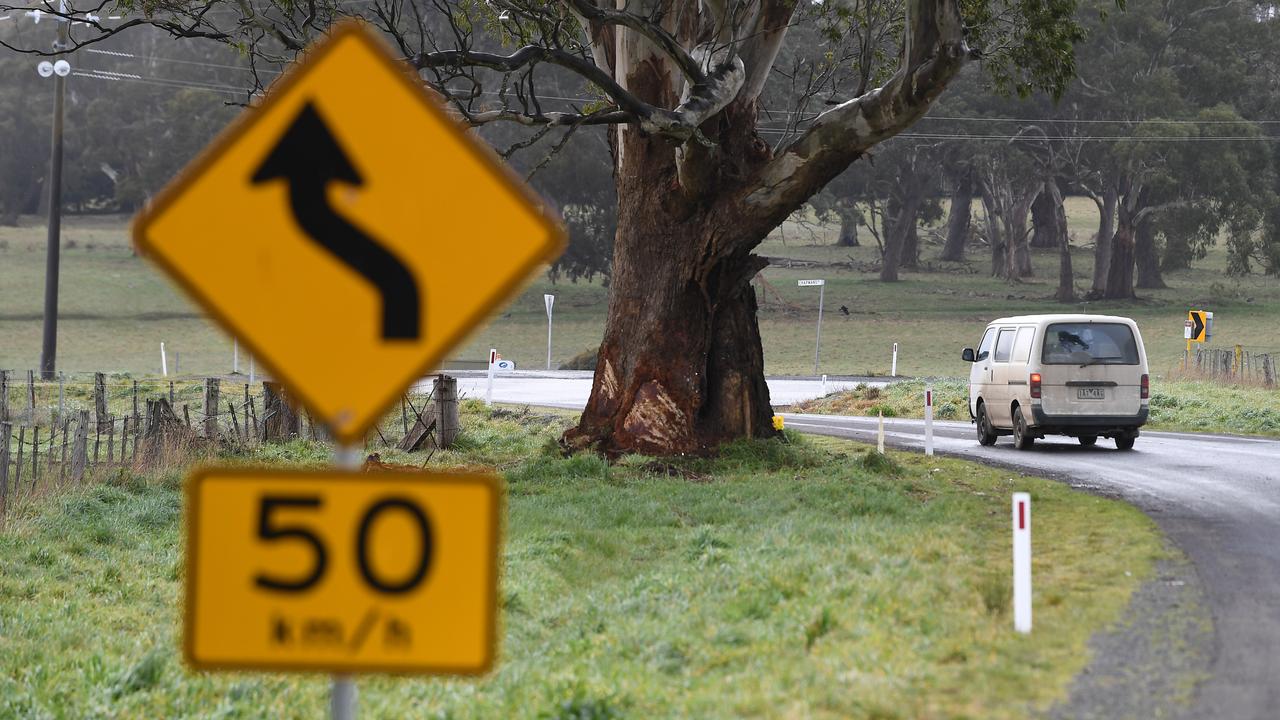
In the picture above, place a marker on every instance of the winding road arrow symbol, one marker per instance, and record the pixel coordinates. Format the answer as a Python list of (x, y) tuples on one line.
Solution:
[(1197, 329), (308, 158)]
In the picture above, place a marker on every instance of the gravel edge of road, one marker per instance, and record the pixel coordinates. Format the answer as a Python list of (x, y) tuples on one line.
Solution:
[(1150, 663)]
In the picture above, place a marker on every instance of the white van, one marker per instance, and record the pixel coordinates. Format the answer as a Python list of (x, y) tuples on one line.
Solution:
[(1079, 375)]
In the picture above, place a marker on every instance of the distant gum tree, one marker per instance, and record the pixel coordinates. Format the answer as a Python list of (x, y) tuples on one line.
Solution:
[(681, 368)]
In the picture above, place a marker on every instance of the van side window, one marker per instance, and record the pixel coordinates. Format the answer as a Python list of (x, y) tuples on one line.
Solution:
[(1004, 345), (984, 349), (1022, 345)]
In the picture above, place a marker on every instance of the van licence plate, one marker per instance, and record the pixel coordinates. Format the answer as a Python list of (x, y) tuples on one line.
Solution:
[(1091, 393)]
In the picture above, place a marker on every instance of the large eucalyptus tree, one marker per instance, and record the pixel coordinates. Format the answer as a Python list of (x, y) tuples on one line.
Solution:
[(681, 367)]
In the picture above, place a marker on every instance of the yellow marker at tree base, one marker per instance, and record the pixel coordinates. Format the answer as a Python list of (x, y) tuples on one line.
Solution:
[(343, 572)]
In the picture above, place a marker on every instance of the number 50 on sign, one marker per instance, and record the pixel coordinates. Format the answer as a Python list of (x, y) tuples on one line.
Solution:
[(343, 572)]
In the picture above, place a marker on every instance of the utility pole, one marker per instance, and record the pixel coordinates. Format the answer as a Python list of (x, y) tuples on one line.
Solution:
[(49, 349)]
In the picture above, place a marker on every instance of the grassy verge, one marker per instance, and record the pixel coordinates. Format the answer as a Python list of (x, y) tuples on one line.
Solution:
[(1193, 406), (793, 579)]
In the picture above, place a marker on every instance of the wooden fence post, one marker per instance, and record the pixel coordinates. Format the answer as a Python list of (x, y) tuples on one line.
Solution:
[(80, 452), (446, 402), (100, 396), (31, 396), (4, 396), (211, 408), (111, 440), (17, 470), (235, 423), (62, 466), (35, 456), (6, 435)]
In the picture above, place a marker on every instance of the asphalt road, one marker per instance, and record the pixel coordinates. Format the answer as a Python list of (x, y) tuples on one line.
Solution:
[(1216, 497), (570, 388)]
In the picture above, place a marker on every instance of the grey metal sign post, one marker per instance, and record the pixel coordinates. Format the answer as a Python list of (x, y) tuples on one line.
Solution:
[(822, 290)]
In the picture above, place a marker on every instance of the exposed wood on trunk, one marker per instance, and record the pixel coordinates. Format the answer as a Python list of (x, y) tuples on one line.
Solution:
[(1066, 278)]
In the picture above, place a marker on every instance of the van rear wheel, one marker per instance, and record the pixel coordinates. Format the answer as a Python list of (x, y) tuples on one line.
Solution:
[(1125, 442), (986, 434), (1088, 440), (1022, 438)]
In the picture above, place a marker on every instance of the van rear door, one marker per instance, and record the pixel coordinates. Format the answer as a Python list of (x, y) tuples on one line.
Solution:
[(1091, 368)]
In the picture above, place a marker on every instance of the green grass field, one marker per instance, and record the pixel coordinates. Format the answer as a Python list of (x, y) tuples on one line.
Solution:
[(1191, 406), (780, 580), (116, 308)]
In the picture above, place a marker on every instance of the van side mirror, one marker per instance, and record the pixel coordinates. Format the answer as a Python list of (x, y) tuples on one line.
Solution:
[(967, 355)]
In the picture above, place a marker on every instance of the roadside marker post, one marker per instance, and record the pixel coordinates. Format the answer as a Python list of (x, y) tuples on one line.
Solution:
[(550, 301), (880, 435), (928, 420), (1022, 562), (342, 571), (817, 345), (164, 362), (824, 385), (235, 356), (493, 362), (893, 367)]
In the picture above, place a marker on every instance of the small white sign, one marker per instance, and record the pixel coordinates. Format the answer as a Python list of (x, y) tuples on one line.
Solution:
[(811, 283), (505, 365), (549, 300), (1186, 330)]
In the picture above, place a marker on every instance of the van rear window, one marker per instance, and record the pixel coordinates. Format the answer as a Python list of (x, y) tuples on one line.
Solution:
[(1089, 344)]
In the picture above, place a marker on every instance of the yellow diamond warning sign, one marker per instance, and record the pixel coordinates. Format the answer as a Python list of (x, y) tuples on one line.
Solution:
[(348, 231), (345, 572)]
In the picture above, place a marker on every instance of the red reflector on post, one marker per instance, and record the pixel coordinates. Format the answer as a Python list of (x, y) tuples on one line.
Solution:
[(1146, 386), (1035, 385)]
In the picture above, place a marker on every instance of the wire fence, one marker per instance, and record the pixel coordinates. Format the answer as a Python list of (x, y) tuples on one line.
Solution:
[(76, 428), (1236, 364)]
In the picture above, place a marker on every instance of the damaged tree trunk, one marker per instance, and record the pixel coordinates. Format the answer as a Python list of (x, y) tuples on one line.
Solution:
[(698, 379)]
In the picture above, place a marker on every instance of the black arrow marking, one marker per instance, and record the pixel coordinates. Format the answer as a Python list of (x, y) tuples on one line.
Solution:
[(308, 157), (1197, 323)]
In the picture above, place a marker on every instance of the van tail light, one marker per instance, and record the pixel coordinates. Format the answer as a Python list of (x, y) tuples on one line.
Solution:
[(1035, 385), (1146, 386)]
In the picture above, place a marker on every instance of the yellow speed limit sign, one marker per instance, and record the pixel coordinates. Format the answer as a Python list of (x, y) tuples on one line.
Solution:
[(341, 571)]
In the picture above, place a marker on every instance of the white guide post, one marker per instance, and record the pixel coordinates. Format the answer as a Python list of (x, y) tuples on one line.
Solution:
[(1022, 562), (550, 301), (928, 420), (493, 362)]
